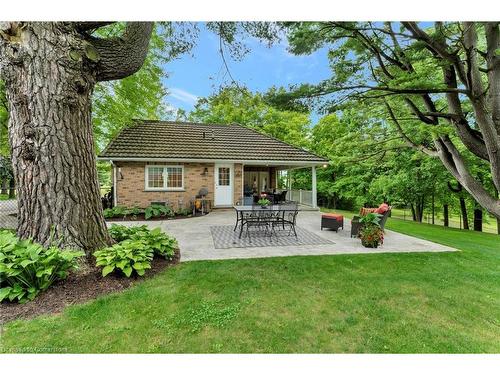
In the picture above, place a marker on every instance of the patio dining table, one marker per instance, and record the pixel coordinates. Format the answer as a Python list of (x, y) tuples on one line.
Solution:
[(279, 210)]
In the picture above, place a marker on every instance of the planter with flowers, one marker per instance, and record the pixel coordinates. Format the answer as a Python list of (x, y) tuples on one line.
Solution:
[(370, 233), (264, 202)]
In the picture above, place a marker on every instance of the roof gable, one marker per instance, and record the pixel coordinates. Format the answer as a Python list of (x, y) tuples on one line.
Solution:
[(189, 140)]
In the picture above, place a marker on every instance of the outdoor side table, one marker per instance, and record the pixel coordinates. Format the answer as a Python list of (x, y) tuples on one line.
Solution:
[(355, 226)]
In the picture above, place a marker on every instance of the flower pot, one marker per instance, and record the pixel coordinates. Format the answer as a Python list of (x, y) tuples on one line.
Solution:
[(370, 244)]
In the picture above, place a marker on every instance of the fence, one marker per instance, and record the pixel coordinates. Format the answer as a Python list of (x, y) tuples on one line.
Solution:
[(8, 213), (454, 220), (301, 196)]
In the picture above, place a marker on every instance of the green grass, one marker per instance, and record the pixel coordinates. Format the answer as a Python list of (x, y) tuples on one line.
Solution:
[(5, 197), (398, 303)]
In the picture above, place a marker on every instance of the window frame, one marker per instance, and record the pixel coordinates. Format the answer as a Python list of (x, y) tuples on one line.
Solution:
[(165, 177)]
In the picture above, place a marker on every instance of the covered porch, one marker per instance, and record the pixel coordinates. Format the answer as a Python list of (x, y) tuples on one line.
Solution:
[(276, 178)]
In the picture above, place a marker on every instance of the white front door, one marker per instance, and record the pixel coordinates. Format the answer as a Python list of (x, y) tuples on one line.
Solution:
[(223, 185)]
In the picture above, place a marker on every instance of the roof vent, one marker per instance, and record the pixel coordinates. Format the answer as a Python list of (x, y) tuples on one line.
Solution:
[(204, 135), (213, 135)]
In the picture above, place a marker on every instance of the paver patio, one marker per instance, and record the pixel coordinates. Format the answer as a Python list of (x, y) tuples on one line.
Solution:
[(196, 242)]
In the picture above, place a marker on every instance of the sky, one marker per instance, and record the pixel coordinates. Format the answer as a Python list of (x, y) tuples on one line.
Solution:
[(201, 72)]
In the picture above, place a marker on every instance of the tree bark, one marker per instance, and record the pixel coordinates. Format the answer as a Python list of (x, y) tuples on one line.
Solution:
[(433, 207), (478, 219), (463, 211), (50, 70)]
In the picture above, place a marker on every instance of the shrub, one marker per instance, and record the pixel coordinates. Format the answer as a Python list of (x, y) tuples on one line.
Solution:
[(158, 210), (161, 243), (184, 212), (126, 256), (123, 212), (27, 268), (135, 249), (121, 232)]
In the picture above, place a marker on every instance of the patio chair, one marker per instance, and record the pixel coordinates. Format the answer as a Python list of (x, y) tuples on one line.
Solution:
[(280, 197), (257, 218), (288, 217), (356, 225)]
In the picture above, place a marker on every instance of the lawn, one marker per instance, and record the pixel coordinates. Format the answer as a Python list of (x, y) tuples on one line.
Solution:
[(399, 303)]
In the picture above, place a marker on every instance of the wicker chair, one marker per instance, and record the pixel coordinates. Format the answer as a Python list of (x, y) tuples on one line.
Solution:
[(356, 225)]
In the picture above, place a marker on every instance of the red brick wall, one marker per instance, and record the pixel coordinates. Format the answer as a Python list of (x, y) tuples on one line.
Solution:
[(131, 191)]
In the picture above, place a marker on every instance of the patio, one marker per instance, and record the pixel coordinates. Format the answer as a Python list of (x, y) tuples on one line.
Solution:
[(197, 243)]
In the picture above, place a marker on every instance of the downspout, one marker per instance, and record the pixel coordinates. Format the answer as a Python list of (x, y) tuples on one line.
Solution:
[(114, 184)]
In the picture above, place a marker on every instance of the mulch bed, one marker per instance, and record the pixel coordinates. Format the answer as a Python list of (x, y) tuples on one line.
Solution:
[(78, 288)]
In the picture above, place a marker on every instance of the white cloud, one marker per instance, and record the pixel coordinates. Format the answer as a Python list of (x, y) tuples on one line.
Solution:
[(183, 95)]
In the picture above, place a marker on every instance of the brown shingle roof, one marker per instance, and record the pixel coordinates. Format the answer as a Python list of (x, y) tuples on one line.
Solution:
[(184, 140)]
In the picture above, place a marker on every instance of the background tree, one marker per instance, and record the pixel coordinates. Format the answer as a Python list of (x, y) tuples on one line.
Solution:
[(49, 71), (446, 77)]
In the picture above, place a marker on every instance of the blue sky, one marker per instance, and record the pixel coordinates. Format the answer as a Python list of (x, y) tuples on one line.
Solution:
[(202, 72)]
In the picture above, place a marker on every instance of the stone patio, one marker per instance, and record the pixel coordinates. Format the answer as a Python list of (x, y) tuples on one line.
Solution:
[(196, 242)]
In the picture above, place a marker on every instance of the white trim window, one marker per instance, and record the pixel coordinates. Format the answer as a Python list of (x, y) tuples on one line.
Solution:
[(164, 177)]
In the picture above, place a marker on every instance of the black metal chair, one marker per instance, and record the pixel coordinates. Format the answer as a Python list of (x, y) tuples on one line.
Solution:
[(280, 197), (257, 218), (288, 217)]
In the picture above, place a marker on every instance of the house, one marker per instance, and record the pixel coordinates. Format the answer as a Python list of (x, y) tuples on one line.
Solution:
[(164, 161)]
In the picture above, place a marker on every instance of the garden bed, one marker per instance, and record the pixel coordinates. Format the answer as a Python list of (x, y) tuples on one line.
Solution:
[(78, 288), (142, 217)]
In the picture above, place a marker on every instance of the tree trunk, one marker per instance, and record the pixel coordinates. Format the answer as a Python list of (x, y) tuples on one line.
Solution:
[(50, 133), (49, 70), (463, 210), (433, 207), (413, 213), (478, 219), (446, 215)]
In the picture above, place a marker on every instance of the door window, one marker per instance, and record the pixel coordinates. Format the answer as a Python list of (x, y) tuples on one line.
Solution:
[(224, 176)]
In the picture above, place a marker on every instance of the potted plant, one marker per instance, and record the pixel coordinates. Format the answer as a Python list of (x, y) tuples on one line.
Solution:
[(370, 232), (264, 202)]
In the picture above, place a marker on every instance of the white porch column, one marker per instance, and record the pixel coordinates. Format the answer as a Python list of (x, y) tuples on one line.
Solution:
[(314, 190), (289, 178)]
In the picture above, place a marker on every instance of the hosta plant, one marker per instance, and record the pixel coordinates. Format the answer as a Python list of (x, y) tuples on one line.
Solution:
[(158, 210), (135, 249), (122, 212), (27, 268), (126, 257), (161, 243)]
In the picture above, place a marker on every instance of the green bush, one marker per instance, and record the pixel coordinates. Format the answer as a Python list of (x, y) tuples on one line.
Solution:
[(27, 268), (135, 249), (161, 243), (121, 232), (122, 212), (158, 210), (126, 256), (184, 212)]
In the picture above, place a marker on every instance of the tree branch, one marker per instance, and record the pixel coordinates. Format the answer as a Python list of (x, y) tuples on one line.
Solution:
[(408, 141), (92, 25), (120, 57)]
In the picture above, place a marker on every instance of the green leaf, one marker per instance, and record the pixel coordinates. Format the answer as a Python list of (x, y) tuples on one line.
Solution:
[(4, 292), (26, 262), (127, 271), (106, 270)]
